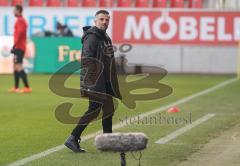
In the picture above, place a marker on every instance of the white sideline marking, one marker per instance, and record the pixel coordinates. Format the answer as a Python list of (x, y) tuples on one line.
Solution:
[(120, 125), (184, 129)]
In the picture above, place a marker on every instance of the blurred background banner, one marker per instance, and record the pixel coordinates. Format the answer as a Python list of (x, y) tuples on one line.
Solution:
[(6, 58), (178, 39), (44, 19), (137, 26), (177, 27), (54, 52)]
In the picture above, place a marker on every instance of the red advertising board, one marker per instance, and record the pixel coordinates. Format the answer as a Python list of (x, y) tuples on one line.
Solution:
[(176, 27)]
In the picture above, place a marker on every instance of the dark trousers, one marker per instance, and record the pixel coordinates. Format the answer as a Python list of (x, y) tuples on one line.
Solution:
[(95, 106)]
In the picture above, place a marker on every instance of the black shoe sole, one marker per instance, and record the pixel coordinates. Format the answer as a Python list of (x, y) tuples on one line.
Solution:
[(69, 146)]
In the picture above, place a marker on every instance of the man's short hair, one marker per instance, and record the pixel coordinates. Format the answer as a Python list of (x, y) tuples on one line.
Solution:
[(19, 8), (102, 12)]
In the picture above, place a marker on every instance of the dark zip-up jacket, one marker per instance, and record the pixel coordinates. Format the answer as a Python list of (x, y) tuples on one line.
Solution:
[(98, 69)]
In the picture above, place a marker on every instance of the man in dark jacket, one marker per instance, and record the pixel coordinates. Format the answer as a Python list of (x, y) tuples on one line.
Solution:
[(98, 78)]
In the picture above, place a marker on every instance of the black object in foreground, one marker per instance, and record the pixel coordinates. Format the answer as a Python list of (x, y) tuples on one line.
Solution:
[(73, 144)]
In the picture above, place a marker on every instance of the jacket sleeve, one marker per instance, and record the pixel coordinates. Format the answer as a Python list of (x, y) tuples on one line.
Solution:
[(90, 46), (90, 66)]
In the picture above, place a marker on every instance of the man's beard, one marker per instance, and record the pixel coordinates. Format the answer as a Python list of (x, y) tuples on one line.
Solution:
[(104, 27)]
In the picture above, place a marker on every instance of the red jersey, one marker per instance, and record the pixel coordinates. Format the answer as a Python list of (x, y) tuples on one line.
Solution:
[(20, 33)]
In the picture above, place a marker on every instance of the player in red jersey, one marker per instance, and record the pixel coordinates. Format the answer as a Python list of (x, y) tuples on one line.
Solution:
[(19, 48)]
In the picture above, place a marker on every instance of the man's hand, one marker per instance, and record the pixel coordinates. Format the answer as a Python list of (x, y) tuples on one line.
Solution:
[(13, 50)]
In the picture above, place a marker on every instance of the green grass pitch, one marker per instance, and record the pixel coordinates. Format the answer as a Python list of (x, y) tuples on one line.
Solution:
[(28, 123)]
